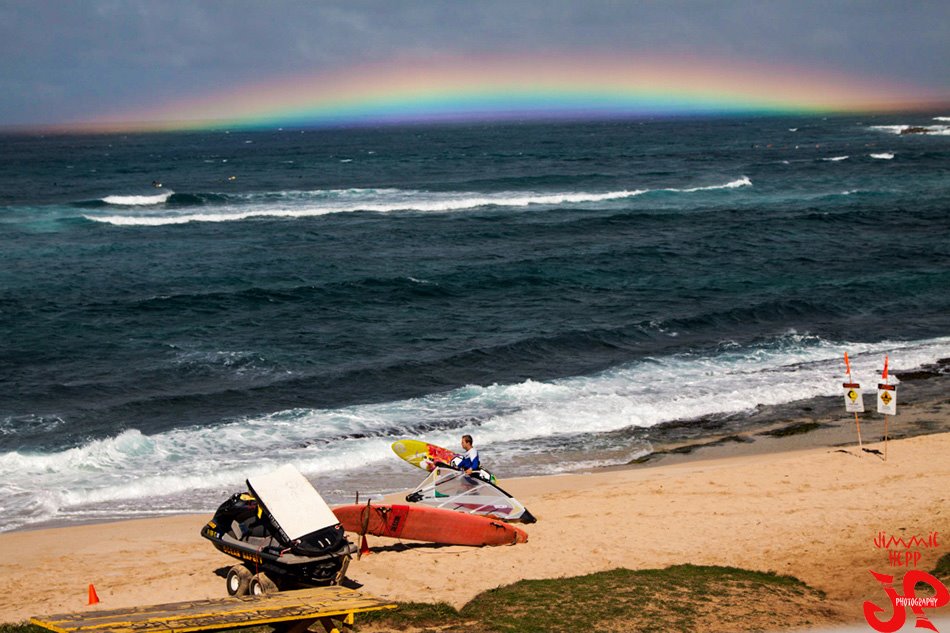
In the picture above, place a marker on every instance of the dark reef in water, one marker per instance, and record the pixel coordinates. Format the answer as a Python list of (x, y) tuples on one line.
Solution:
[(926, 389)]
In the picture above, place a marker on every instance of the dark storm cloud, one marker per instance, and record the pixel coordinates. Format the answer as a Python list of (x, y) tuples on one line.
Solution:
[(63, 60)]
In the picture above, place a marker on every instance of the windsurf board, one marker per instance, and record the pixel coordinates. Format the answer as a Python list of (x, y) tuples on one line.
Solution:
[(424, 523)]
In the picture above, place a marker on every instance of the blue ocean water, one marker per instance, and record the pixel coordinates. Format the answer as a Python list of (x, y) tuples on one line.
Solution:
[(561, 291)]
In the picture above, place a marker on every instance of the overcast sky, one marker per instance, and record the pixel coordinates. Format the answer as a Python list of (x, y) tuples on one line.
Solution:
[(66, 60)]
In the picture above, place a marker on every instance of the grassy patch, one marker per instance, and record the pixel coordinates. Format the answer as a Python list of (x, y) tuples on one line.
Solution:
[(942, 569), (412, 616), (22, 628), (681, 598)]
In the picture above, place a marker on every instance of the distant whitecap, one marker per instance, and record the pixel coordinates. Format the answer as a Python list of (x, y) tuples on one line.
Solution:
[(135, 201), (916, 130)]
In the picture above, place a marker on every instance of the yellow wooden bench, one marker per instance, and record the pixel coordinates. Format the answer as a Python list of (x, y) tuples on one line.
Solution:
[(288, 611)]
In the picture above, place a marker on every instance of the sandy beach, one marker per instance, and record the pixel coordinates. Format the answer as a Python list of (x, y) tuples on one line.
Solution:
[(813, 513)]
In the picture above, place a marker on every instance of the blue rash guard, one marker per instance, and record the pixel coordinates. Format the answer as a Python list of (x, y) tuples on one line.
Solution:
[(469, 460)]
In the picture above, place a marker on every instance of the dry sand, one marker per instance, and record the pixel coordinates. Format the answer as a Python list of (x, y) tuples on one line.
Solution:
[(811, 513)]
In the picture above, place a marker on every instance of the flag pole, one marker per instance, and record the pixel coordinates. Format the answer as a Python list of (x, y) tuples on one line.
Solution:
[(886, 382), (857, 423), (885, 438)]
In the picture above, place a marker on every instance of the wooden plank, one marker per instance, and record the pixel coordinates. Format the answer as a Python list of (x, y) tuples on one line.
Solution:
[(223, 613)]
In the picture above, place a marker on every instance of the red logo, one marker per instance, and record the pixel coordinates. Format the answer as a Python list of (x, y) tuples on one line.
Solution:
[(901, 550), (900, 602)]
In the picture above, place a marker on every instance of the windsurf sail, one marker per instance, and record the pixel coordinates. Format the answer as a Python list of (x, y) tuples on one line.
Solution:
[(452, 489)]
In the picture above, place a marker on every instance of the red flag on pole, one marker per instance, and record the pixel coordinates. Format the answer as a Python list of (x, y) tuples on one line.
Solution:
[(884, 373), (847, 363)]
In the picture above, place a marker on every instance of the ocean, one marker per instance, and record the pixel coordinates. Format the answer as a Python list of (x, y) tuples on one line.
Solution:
[(569, 293)]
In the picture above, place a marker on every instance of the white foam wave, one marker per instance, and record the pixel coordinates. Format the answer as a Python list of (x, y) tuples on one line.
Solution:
[(405, 201), (345, 450), (934, 130), (892, 129), (883, 156), (836, 159), (19, 424), (318, 203), (138, 201), (735, 184)]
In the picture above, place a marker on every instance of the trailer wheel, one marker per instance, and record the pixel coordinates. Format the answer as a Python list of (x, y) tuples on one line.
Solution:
[(239, 579), (261, 585)]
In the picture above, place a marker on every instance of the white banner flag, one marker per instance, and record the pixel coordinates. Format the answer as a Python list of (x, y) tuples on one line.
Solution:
[(887, 399), (853, 400)]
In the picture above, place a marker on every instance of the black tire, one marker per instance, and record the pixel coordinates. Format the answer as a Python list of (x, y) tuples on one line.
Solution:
[(238, 580), (261, 585)]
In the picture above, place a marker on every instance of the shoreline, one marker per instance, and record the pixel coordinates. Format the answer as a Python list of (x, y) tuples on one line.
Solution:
[(810, 423), (808, 511), (827, 427)]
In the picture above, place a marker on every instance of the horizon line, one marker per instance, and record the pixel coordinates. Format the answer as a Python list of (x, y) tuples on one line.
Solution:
[(423, 118)]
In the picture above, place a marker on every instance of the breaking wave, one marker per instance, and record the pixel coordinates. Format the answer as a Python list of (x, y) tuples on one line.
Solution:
[(317, 203), (138, 201), (935, 130), (140, 474)]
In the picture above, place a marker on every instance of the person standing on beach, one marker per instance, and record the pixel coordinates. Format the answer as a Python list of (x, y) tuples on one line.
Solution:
[(469, 459)]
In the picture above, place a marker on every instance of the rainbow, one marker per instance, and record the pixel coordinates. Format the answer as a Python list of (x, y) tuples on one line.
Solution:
[(520, 87)]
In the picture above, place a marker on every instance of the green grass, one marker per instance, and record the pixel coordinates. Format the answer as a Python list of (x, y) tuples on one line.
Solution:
[(942, 569), (680, 598), (22, 628), (675, 598)]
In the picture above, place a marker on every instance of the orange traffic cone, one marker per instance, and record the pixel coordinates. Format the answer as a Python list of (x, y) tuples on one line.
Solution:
[(93, 597), (364, 547)]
